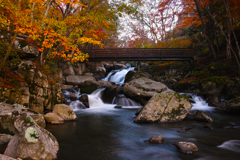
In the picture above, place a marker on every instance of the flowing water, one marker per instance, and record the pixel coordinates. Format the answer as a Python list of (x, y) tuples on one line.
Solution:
[(103, 132)]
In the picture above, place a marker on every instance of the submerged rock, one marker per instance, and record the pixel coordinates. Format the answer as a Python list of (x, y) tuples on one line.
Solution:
[(31, 141), (165, 107), (201, 116), (143, 89), (65, 112), (156, 139), (186, 147)]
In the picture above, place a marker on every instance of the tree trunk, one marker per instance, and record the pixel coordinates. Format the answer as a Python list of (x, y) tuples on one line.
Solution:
[(8, 51), (205, 31), (230, 24)]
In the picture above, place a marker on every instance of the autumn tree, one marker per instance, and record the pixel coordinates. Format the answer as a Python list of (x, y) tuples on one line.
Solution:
[(57, 28)]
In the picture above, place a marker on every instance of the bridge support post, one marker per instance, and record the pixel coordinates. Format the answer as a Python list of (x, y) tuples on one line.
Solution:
[(139, 66)]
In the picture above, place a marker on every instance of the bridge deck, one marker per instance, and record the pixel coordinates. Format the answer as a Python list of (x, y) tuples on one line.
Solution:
[(139, 54)]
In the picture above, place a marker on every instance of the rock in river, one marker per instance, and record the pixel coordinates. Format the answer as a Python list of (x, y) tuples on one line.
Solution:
[(165, 107), (156, 139), (186, 147), (65, 112), (201, 116), (142, 89)]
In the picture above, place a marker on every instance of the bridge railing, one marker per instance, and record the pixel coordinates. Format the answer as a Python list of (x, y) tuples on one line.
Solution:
[(139, 52)]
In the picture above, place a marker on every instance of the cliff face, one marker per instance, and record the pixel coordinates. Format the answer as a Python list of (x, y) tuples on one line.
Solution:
[(36, 90)]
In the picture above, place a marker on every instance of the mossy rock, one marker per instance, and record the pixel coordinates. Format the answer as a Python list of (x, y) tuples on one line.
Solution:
[(218, 80)]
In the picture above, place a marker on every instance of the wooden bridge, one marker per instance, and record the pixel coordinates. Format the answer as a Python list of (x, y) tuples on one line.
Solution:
[(139, 54)]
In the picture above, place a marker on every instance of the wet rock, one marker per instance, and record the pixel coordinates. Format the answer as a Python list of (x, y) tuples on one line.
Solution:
[(184, 129), (53, 118), (143, 89), (5, 138), (4, 157), (156, 139), (84, 100), (9, 113), (186, 147), (201, 116), (73, 97), (165, 107), (139, 110), (65, 112), (31, 141), (233, 106), (109, 93), (118, 107)]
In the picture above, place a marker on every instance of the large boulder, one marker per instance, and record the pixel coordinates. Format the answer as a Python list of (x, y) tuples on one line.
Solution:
[(142, 89), (65, 112), (9, 113), (131, 75), (233, 106), (165, 107), (31, 141)]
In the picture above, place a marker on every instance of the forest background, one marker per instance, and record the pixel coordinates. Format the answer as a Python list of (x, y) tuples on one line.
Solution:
[(54, 30)]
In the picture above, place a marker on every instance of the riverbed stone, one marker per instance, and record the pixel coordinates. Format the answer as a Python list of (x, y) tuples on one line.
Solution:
[(65, 112), (165, 107), (186, 147), (5, 138), (156, 139), (142, 89), (31, 141), (201, 116)]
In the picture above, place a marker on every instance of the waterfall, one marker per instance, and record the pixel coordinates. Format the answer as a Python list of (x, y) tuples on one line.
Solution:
[(200, 103), (118, 76), (124, 101)]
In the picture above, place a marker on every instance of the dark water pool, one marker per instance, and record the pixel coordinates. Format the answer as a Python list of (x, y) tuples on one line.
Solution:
[(111, 134)]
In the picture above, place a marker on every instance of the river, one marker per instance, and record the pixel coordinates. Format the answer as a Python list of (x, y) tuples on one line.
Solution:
[(103, 132)]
